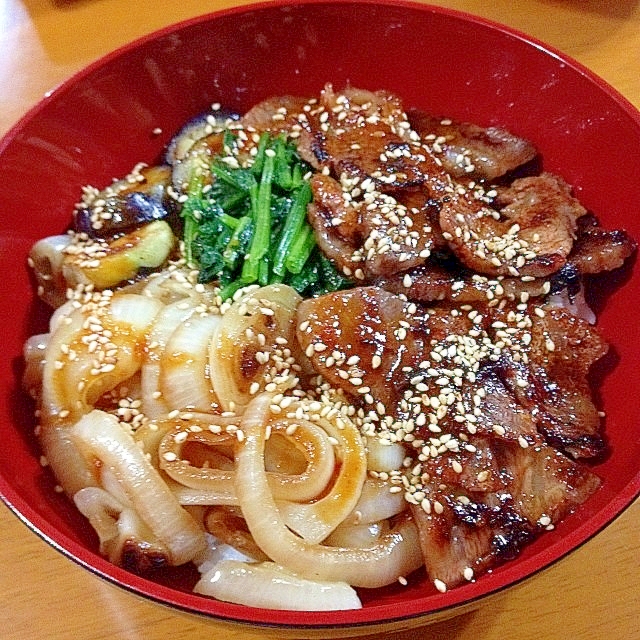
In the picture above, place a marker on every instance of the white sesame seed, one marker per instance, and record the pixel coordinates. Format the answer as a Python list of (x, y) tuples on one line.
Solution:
[(440, 586)]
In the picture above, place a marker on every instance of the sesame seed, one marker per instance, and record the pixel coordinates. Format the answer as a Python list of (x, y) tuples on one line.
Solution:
[(440, 586)]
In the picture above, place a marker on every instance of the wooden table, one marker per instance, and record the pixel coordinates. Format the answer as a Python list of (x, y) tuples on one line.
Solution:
[(593, 594)]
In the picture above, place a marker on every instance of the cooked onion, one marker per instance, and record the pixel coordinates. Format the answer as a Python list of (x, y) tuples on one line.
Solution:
[(397, 553), (376, 503), (382, 456), (227, 525), (271, 586), (254, 324), (223, 494), (184, 376), (312, 441), (72, 471), (357, 535), (217, 551), (215, 481), (314, 521), (174, 285), (61, 313), (116, 524), (99, 435), (34, 358), (47, 257), (103, 511), (166, 322), (72, 385), (213, 484)]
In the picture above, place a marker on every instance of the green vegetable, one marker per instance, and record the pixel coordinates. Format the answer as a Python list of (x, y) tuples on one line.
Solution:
[(249, 225), (292, 227), (261, 215), (300, 250)]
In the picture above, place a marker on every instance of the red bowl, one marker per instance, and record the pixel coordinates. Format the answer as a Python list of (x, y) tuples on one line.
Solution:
[(99, 123)]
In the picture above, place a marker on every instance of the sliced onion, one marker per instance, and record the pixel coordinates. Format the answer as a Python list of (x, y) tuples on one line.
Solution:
[(100, 435), (133, 312), (236, 367), (34, 358), (357, 535), (217, 551), (111, 484), (215, 482), (148, 437), (227, 525), (221, 494), (184, 376), (61, 313), (72, 385), (166, 322), (397, 553), (281, 456), (70, 468), (270, 586), (47, 256), (313, 443), (376, 503), (175, 285), (384, 457), (117, 525), (102, 510), (56, 396), (314, 521)]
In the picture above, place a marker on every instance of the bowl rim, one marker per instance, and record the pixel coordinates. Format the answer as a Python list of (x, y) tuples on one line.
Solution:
[(135, 585), (67, 83), (387, 614)]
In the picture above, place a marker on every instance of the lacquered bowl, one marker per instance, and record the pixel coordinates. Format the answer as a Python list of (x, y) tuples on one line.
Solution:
[(101, 122)]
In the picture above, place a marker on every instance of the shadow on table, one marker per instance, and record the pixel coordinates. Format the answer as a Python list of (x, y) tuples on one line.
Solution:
[(618, 9), (451, 629)]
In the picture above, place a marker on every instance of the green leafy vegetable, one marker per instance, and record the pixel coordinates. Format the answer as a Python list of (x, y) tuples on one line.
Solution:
[(249, 225)]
